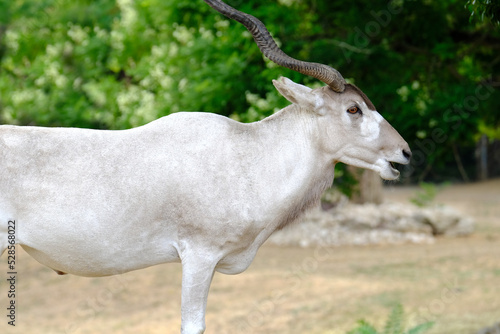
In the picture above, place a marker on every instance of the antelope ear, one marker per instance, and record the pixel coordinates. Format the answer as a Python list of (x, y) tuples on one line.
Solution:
[(299, 94)]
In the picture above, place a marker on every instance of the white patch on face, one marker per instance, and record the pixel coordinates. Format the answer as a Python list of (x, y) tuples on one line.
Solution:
[(370, 127), (378, 117)]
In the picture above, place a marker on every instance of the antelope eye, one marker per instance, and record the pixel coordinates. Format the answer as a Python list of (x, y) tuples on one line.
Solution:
[(354, 110)]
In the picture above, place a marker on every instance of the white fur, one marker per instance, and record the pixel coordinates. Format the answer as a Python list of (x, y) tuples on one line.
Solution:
[(195, 188), (370, 126)]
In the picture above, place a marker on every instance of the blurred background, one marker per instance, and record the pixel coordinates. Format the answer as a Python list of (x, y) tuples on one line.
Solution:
[(432, 69)]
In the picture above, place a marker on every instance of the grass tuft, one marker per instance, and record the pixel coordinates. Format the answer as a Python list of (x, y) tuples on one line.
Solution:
[(395, 324)]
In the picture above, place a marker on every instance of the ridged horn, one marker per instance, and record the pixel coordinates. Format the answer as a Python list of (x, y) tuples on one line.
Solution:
[(270, 49)]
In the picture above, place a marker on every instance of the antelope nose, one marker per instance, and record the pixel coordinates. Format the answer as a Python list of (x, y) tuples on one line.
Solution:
[(407, 154)]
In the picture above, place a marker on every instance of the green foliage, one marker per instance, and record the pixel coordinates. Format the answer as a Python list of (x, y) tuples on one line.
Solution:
[(345, 181), (425, 196), (427, 193), (485, 9), (395, 324), (121, 63), (363, 328)]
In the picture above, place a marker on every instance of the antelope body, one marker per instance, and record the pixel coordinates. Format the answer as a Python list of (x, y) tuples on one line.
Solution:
[(195, 188)]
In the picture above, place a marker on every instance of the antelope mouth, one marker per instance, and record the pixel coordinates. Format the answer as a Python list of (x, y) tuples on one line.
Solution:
[(392, 166)]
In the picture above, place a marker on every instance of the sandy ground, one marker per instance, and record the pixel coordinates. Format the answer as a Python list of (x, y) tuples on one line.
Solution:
[(454, 282)]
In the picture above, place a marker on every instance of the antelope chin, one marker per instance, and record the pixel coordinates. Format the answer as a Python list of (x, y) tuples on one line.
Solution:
[(389, 171)]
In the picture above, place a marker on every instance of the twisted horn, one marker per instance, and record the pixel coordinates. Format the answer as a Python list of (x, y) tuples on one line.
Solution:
[(270, 49)]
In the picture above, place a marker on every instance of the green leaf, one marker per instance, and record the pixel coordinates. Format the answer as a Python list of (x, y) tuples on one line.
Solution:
[(422, 328), (363, 328), (394, 324)]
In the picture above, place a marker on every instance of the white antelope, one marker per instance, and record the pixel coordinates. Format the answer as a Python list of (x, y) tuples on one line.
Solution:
[(195, 188)]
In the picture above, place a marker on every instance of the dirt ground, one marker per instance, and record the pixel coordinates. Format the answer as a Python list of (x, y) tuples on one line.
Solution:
[(454, 282)]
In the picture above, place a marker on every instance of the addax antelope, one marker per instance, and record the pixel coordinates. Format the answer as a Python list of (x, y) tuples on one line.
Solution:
[(195, 188)]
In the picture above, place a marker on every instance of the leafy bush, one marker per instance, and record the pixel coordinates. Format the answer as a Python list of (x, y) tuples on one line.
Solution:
[(425, 196), (427, 193), (485, 9), (394, 325), (121, 63)]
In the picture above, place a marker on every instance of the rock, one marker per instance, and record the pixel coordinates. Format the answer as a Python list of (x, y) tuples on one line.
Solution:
[(495, 329), (354, 224), (447, 221)]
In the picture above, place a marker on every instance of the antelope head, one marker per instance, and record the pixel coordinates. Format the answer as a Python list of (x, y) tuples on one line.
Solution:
[(351, 130), (361, 136)]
